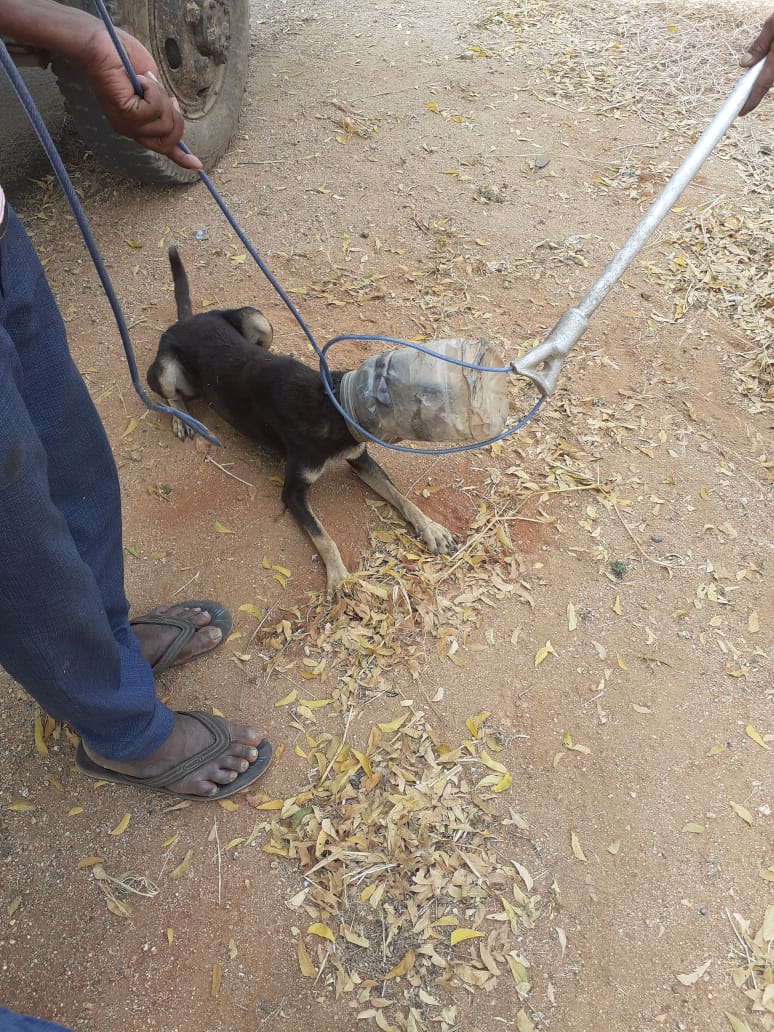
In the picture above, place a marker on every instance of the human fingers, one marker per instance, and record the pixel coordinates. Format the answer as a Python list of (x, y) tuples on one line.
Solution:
[(160, 124), (762, 47), (761, 87)]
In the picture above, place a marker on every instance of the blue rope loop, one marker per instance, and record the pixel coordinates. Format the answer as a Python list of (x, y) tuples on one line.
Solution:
[(321, 352)]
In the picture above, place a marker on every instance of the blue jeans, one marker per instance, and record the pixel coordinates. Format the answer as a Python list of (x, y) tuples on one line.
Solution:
[(64, 626), (12, 1022)]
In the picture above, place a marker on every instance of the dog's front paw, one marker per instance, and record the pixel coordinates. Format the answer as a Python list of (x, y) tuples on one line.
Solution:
[(336, 575), (181, 429), (438, 539)]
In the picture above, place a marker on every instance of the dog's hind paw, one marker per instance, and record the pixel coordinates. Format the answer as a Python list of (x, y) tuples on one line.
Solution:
[(181, 429)]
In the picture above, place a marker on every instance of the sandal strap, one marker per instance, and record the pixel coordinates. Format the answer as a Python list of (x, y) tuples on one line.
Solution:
[(185, 629), (221, 739)]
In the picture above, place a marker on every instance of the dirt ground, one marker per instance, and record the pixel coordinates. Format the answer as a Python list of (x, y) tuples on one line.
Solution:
[(588, 680)]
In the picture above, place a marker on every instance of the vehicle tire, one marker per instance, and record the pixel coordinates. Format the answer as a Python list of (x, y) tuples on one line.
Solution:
[(201, 48)]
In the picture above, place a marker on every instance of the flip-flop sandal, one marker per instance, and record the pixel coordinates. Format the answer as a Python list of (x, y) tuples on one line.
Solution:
[(219, 617), (221, 739)]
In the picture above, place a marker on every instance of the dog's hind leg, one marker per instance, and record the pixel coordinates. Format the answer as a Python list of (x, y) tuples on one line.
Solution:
[(167, 379), (298, 480), (437, 538)]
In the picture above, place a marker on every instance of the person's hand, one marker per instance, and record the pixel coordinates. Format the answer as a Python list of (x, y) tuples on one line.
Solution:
[(762, 47), (154, 120)]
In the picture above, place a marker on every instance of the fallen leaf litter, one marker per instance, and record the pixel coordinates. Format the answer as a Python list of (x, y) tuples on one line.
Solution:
[(413, 876)]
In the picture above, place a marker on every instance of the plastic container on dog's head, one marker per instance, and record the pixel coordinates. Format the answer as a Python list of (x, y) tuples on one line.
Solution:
[(407, 395)]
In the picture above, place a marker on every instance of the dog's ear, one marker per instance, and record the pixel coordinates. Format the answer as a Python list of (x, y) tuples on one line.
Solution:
[(252, 324)]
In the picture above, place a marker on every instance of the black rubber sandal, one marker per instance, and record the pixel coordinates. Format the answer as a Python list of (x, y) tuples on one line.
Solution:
[(219, 617), (221, 739)]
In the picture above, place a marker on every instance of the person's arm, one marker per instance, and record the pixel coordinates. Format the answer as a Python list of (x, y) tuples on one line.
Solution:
[(154, 121), (762, 47)]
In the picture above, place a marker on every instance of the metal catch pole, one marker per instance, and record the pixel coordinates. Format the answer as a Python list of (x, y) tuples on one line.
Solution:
[(543, 363)]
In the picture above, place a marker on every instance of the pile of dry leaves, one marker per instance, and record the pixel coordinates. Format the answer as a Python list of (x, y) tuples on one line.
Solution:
[(414, 890)]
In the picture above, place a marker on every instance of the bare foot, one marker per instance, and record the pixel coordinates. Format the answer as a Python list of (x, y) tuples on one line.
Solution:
[(156, 638), (188, 737)]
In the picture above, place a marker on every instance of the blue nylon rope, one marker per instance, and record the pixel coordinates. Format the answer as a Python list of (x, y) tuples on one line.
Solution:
[(69, 191)]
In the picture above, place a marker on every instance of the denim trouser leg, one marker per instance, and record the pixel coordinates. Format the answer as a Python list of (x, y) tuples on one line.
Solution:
[(12, 1022), (64, 629)]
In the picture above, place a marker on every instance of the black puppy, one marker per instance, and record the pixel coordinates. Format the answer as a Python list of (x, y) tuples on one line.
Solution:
[(223, 356)]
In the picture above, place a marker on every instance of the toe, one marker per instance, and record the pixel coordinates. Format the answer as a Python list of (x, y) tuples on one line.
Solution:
[(243, 735), (205, 639), (223, 776), (198, 617)]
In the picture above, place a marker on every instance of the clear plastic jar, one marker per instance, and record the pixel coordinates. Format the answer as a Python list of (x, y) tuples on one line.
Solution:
[(407, 395)]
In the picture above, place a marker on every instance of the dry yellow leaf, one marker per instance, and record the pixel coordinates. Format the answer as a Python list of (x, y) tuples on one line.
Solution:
[(122, 825), (89, 861), (40, 744), (753, 624), (402, 967), (743, 812), (21, 806), (182, 867), (322, 930), (616, 606), (523, 1022), (693, 829), (352, 936), (170, 936), (572, 620), (248, 607), (308, 970), (217, 974), (393, 725), (767, 928), (752, 733), (288, 699), (737, 1024), (462, 934), (118, 907), (518, 969), (576, 847), (541, 654), (694, 976), (363, 761), (487, 760), (228, 804), (221, 529), (74, 811)]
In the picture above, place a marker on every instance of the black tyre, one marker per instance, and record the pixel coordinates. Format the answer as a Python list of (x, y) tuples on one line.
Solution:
[(201, 48)]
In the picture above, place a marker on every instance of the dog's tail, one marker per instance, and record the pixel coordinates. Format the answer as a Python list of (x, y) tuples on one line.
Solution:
[(182, 290)]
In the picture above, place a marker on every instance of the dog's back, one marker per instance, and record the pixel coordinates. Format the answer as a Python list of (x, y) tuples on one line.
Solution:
[(222, 355)]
